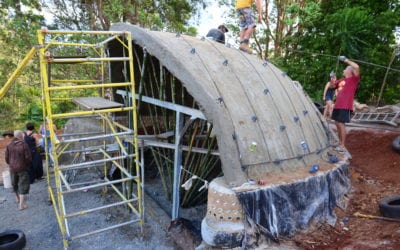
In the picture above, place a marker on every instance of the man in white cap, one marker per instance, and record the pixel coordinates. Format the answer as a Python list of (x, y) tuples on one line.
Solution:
[(345, 90)]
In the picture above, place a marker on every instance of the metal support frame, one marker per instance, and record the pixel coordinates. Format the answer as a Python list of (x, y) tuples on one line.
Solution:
[(180, 128), (16, 73), (177, 165), (128, 161)]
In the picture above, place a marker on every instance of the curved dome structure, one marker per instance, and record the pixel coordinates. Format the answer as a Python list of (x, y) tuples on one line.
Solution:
[(263, 120), (280, 173)]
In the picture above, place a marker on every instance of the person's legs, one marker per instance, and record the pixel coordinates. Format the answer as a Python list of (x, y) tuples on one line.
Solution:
[(246, 24), (341, 129), (23, 189), (331, 104), (17, 197), (31, 172), (241, 34), (242, 23), (22, 204), (326, 110), (38, 165), (14, 183), (341, 117), (248, 32), (244, 45)]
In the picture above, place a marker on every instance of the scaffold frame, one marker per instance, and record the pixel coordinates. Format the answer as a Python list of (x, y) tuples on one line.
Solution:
[(117, 144)]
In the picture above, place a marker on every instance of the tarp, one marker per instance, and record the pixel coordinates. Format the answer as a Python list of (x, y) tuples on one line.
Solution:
[(282, 210)]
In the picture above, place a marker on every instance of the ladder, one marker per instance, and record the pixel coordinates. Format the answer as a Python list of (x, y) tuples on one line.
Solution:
[(74, 68), (388, 118)]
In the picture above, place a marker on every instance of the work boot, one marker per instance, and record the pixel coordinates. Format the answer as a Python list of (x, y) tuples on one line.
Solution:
[(245, 47)]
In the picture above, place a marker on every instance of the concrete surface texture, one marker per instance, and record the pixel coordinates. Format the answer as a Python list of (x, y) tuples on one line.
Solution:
[(263, 120)]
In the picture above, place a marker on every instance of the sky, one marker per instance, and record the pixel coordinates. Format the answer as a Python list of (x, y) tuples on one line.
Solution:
[(211, 17), (215, 15)]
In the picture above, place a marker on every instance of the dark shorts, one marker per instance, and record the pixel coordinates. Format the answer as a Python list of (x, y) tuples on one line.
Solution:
[(20, 182), (341, 115), (246, 18), (329, 94)]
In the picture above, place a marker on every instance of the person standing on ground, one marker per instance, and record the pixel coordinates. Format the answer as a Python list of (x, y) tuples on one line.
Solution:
[(329, 93), (36, 169), (246, 21), (218, 34), (346, 88), (18, 157)]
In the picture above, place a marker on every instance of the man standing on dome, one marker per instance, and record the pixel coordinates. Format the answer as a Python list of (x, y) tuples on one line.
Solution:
[(246, 21)]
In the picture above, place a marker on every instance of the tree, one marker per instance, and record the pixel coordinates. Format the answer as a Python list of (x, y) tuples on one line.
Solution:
[(18, 24), (361, 30), (171, 15), (304, 37)]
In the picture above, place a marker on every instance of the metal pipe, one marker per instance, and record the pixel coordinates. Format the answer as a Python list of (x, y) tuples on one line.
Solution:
[(83, 164), (98, 208), (104, 229), (185, 148), (96, 137), (92, 112), (177, 165), (97, 185), (89, 86), (16, 73), (83, 32), (89, 59)]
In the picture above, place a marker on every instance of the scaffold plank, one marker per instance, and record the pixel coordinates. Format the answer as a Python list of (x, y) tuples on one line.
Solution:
[(90, 103)]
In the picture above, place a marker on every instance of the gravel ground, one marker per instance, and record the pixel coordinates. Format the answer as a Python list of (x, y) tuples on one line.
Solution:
[(39, 224)]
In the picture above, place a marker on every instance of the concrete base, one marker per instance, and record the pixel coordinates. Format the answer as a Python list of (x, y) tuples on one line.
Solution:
[(274, 210), (222, 234), (223, 225)]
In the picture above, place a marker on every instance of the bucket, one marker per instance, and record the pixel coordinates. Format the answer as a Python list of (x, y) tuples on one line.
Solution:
[(7, 179)]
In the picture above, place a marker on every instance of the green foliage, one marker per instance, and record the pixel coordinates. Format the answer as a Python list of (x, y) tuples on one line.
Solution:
[(351, 33), (34, 113), (191, 31), (18, 27), (361, 30), (170, 15)]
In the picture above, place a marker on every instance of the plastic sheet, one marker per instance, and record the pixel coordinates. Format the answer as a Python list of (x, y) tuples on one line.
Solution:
[(282, 210)]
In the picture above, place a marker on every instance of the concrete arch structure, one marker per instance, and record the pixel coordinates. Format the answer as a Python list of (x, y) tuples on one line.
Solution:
[(268, 130), (263, 120)]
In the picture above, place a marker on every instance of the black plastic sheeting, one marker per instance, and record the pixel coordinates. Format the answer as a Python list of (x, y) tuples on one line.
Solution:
[(282, 210)]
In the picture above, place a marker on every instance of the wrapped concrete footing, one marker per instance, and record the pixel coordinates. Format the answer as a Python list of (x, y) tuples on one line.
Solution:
[(276, 210), (223, 225)]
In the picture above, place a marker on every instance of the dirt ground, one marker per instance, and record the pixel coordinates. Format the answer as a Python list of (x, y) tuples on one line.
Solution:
[(375, 174)]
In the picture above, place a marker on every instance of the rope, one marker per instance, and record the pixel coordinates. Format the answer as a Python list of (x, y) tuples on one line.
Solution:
[(359, 61)]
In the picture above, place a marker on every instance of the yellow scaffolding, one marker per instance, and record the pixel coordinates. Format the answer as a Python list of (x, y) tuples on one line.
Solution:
[(65, 78)]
